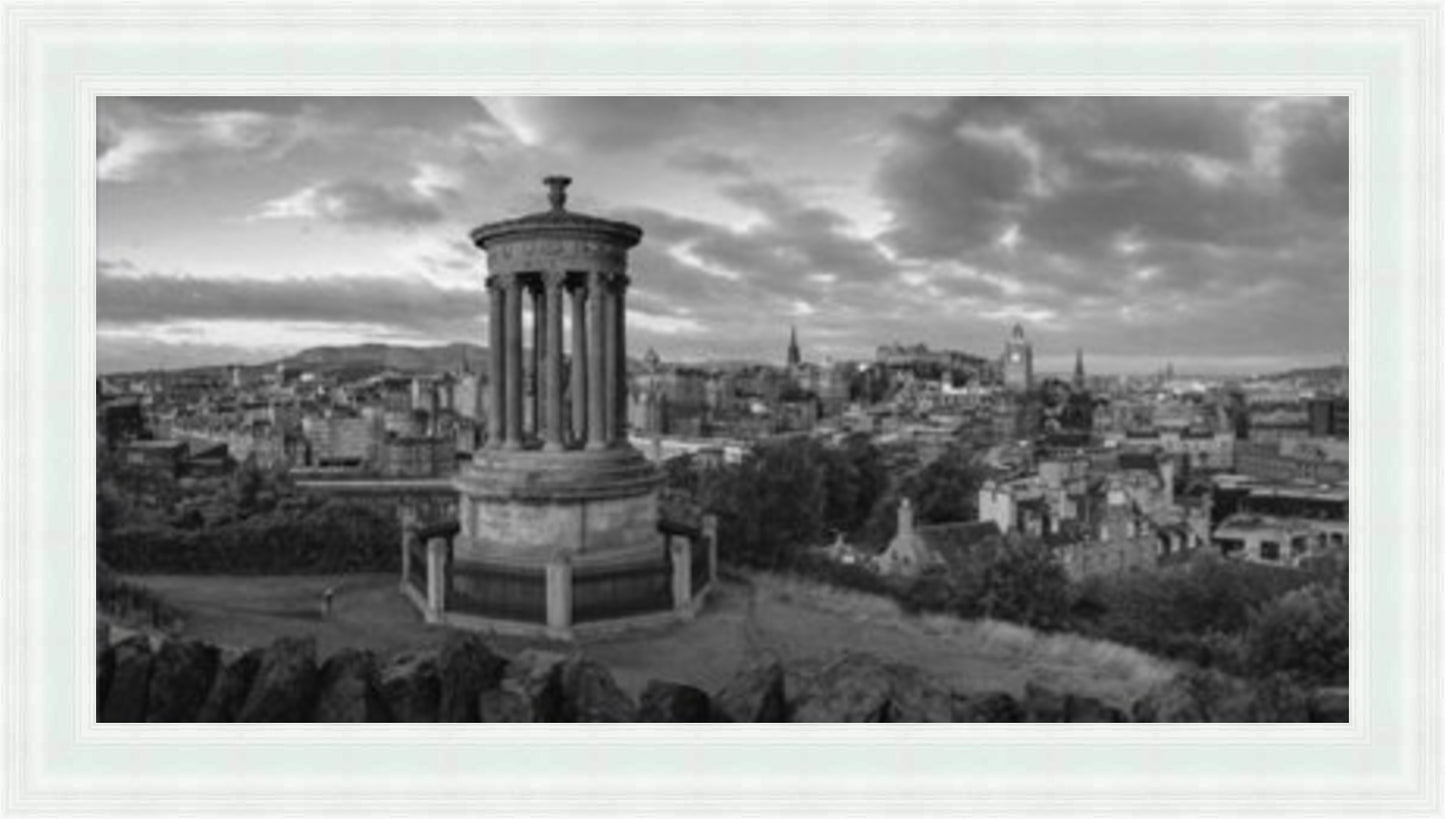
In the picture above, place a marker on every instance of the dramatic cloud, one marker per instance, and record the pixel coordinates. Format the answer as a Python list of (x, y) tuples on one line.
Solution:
[(358, 202), (1201, 229), (411, 304)]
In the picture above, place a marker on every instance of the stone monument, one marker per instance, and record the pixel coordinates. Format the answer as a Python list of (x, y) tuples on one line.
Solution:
[(558, 473), (557, 516)]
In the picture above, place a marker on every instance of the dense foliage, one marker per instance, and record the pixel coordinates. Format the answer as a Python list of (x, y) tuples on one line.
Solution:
[(249, 522), (788, 497), (330, 537)]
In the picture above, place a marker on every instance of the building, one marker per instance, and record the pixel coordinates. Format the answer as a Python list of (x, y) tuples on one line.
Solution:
[(1199, 449), (1283, 524), (1329, 416), (1314, 460), (1018, 362), (795, 356), (956, 549), (157, 458)]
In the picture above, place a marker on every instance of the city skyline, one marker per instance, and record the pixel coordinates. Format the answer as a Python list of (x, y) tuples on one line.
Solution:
[(1210, 232)]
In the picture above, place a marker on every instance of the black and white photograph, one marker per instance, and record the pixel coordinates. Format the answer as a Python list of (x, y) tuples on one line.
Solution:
[(722, 409)]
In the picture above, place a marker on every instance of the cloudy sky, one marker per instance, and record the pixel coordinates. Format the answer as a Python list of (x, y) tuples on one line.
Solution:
[(1210, 232)]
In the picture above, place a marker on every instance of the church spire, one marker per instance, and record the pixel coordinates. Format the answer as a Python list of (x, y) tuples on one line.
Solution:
[(794, 357), (1079, 367)]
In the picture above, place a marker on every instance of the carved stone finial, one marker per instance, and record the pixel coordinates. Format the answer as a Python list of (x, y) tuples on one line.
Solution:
[(557, 191)]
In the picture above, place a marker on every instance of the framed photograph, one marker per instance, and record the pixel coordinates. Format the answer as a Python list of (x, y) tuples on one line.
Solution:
[(766, 367)]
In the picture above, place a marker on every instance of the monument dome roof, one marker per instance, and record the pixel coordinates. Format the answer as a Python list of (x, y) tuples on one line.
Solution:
[(558, 222)]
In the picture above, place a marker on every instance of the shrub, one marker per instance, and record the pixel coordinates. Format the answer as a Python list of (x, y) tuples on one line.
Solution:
[(332, 538), (1023, 583)]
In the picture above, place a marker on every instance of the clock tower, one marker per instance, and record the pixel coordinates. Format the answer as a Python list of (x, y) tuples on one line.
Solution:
[(1018, 362)]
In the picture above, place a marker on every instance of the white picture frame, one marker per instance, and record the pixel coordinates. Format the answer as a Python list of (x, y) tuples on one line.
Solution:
[(58, 59)]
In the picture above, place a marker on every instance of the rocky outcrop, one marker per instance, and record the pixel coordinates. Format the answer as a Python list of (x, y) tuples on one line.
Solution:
[(411, 687), (467, 666), (664, 701), (758, 693), (1042, 704), (181, 677), (285, 685), (589, 694), (993, 706), (233, 683), (104, 665), (125, 699), (347, 689), (860, 688), (177, 681), (531, 690)]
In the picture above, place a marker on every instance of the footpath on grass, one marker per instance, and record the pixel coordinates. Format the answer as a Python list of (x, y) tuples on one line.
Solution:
[(840, 656)]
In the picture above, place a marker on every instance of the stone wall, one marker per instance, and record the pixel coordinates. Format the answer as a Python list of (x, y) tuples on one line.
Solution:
[(146, 679)]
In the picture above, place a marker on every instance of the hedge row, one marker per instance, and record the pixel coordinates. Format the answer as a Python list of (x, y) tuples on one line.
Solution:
[(336, 537)]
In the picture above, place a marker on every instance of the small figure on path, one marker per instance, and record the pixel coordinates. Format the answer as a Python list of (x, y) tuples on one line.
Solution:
[(326, 599)]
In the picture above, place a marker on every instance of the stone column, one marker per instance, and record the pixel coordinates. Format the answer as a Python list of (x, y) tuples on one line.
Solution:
[(709, 534), (436, 579), (513, 331), (619, 332), (559, 595), (579, 364), (555, 281), (497, 377), (596, 370), (679, 549), (539, 356), (408, 541), (610, 376)]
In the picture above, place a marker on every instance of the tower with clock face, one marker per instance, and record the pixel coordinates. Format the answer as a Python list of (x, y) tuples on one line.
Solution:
[(1018, 362)]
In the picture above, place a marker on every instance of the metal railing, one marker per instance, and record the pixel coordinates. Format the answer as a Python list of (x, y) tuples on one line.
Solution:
[(500, 591), (600, 593)]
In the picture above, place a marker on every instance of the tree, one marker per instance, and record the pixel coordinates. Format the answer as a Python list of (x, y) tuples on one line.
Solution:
[(945, 490), (1022, 583), (1305, 632), (246, 484)]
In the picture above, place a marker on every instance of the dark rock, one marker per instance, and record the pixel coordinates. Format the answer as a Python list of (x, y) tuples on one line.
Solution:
[(233, 683), (589, 694), (851, 688), (859, 688), (673, 702), (346, 689), (1329, 705), (130, 682), (181, 678), (918, 697), (506, 703), (755, 694), (104, 666), (285, 686), (1091, 709), (994, 706), (537, 675), (467, 667), (410, 685), (1044, 705)]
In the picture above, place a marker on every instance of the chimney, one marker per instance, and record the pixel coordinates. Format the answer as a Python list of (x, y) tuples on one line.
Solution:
[(905, 517)]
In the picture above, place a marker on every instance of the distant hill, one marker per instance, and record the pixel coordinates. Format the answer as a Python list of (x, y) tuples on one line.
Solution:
[(362, 359), (1332, 372)]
